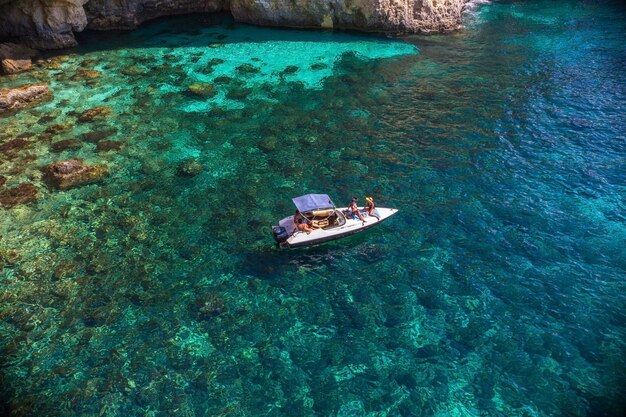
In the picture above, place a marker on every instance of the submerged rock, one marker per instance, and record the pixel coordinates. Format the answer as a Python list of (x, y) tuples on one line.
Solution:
[(89, 63), (67, 144), (22, 194), (99, 135), (14, 99), (206, 90), (318, 66), (13, 145), (134, 70), (15, 58), (222, 79), (58, 128), (86, 74), (247, 69), (238, 93), (268, 144), (72, 173), (189, 168), (109, 145), (94, 113), (9, 257), (290, 69), (215, 61), (207, 307)]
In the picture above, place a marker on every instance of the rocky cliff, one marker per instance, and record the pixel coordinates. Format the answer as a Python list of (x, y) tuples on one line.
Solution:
[(50, 24)]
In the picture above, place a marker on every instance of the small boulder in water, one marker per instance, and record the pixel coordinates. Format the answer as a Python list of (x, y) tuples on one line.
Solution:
[(72, 173), (13, 146), (268, 143), (58, 128), (65, 145), (14, 99), (247, 69), (239, 93), (189, 168), (22, 194), (222, 79), (215, 61), (15, 58), (86, 74), (291, 69), (207, 307), (94, 113), (318, 66), (202, 89), (98, 135), (134, 70), (109, 145)]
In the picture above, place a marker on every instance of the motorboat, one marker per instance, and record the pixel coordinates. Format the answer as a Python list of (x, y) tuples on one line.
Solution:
[(328, 221)]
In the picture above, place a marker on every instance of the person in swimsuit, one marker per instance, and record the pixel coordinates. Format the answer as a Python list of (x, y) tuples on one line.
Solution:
[(370, 208), (354, 209), (302, 223)]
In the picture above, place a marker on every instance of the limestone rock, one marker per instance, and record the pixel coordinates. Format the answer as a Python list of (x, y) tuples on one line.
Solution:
[(72, 173), (15, 58), (14, 99), (397, 16), (22, 194), (42, 24), (50, 24)]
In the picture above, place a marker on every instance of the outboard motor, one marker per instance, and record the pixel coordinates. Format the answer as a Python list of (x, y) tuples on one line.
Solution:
[(280, 234)]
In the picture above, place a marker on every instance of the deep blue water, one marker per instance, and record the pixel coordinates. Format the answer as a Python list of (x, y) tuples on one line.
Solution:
[(498, 290)]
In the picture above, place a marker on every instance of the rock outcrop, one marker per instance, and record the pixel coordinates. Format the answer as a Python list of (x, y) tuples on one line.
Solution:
[(15, 58), (42, 24), (14, 99), (72, 173), (397, 16), (50, 24)]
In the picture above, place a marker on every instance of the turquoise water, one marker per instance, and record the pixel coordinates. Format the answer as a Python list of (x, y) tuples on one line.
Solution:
[(498, 290)]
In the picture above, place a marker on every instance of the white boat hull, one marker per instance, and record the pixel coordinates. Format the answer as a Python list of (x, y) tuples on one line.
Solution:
[(299, 238)]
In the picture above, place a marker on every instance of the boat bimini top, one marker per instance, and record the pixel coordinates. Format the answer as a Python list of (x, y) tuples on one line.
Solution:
[(313, 202)]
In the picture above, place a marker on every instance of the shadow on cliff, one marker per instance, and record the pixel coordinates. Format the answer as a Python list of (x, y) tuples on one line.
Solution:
[(211, 29)]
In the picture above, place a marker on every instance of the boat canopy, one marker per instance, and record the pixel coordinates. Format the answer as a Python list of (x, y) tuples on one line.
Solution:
[(312, 202)]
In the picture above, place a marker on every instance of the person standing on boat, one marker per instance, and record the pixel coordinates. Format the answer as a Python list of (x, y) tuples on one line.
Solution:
[(354, 209), (370, 208)]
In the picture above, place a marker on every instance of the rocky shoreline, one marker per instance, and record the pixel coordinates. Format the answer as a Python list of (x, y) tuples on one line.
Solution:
[(51, 24)]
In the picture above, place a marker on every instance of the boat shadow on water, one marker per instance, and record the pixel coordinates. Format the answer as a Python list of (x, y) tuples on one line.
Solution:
[(272, 263)]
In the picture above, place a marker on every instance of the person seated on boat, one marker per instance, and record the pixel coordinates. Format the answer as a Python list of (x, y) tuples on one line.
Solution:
[(302, 223), (370, 208), (354, 209)]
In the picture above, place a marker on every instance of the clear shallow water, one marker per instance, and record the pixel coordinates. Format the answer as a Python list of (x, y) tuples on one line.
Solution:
[(498, 289)]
